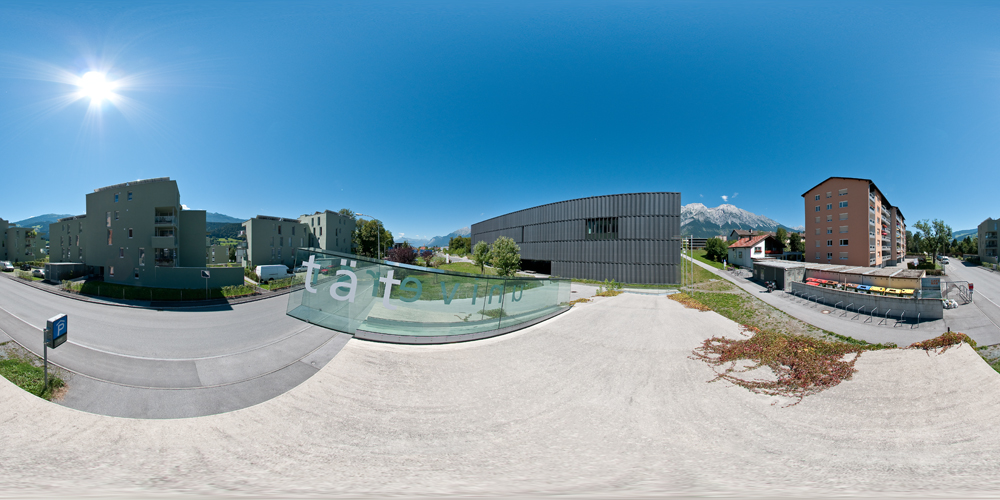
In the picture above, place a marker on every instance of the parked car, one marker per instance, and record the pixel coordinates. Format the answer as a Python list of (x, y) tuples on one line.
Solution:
[(38, 273), (272, 272), (7, 267), (944, 260), (25, 267)]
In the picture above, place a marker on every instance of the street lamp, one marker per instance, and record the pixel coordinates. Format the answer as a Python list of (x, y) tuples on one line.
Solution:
[(379, 233)]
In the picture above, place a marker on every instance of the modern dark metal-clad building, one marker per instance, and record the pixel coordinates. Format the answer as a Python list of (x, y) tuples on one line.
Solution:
[(630, 238)]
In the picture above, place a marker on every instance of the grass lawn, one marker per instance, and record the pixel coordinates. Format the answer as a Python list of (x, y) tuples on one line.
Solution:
[(466, 267), (700, 255), (24, 371), (283, 283)]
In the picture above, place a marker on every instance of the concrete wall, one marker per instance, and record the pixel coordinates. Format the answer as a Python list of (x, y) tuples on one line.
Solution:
[(67, 240), (782, 277), (928, 308), (274, 240), (191, 246)]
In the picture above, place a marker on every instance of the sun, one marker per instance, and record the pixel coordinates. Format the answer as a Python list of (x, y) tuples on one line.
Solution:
[(95, 85)]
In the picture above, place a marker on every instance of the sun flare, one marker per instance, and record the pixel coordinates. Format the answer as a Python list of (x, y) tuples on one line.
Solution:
[(95, 85)]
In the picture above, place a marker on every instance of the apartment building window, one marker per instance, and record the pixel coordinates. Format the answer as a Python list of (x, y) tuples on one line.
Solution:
[(78, 240), (843, 192), (109, 237), (829, 194), (300, 242), (142, 256), (817, 197), (843, 216), (272, 242), (843, 229), (81, 227), (279, 228), (817, 208), (819, 256), (829, 230), (321, 230), (829, 206), (136, 270), (843, 243), (289, 241), (843, 204), (818, 243), (817, 219), (293, 230), (121, 252), (109, 219), (829, 243), (60, 241), (116, 197), (130, 199), (817, 230), (829, 218), (116, 215), (281, 242), (130, 233), (843, 255), (111, 271), (313, 222), (829, 256)]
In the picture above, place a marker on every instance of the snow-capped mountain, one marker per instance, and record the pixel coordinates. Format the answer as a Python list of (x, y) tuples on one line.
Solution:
[(703, 222)]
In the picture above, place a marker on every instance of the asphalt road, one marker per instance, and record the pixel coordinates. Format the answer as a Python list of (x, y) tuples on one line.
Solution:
[(149, 363), (982, 316)]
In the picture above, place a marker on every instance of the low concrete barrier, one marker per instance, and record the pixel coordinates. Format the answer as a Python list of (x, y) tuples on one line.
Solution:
[(927, 308)]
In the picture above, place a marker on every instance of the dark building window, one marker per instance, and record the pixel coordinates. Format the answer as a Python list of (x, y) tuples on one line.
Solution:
[(604, 228)]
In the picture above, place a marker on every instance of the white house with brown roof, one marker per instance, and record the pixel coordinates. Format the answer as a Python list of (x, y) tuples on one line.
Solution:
[(743, 252)]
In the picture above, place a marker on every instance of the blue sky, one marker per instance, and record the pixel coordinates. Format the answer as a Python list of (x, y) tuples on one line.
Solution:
[(435, 115)]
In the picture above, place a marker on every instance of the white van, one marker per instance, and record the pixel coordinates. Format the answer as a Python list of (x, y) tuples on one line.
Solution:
[(272, 272)]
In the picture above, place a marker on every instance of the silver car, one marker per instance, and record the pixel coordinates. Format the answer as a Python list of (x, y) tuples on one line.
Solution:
[(6, 267)]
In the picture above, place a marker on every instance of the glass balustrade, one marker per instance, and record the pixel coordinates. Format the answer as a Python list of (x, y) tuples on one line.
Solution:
[(399, 302)]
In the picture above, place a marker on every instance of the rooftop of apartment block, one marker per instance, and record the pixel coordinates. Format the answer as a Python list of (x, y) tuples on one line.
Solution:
[(871, 184), (133, 183)]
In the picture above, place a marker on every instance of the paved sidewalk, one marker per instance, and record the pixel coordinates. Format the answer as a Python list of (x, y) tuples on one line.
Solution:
[(863, 328)]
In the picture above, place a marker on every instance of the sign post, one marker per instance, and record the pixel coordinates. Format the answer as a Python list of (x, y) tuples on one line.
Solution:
[(56, 329), (205, 273)]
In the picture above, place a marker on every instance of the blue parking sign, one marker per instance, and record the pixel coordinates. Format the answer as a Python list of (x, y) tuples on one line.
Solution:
[(56, 330)]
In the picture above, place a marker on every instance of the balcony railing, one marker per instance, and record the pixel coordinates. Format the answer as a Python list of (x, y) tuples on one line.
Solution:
[(163, 219), (163, 242)]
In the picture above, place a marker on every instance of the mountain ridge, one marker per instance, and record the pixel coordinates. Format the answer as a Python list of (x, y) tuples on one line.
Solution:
[(700, 221)]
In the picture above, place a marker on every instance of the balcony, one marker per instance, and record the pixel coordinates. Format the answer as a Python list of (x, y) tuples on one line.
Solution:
[(164, 262), (163, 242), (164, 220)]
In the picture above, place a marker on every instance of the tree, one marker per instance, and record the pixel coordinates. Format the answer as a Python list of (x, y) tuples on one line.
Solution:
[(232, 253), (404, 254), (370, 235), (459, 245), (716, 249), (505, 256), (780, 235), (935, 235), (481, 255), (795, 243)]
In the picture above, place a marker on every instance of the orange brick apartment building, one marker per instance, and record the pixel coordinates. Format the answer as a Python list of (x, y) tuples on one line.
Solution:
[(850, 222)]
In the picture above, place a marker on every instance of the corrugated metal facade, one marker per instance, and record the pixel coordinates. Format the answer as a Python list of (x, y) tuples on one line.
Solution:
[(647, 249)]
